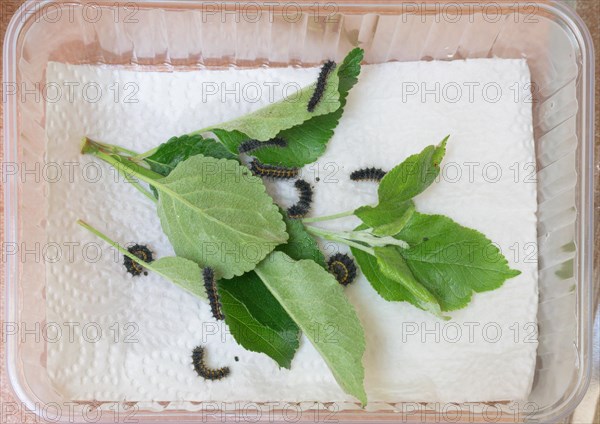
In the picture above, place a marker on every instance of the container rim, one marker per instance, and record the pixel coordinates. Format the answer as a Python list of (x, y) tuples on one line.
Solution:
[(575, 24)]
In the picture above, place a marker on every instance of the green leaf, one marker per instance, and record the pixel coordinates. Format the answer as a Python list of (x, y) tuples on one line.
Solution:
[(182, 272), (398, 187), (413, 175), (230, 139), (389, 289), (300, 244), (305, 143), (256, 319), (218, 215), (317, 303), (178, 149), (393, 266), (452, 261), (267, 122), (386, 219), (308, 141)]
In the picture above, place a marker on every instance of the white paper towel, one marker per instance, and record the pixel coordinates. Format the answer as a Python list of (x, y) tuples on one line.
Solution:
[(149, 327)]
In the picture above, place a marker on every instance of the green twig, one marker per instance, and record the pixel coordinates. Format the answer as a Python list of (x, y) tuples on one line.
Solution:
[(328, 217), (126, 172), (114, 244), (330, 235)]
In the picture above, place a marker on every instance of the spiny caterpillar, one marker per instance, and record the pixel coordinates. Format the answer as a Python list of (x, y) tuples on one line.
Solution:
[(343, 268), (321, 84), (142, 252), (210, 285), (368, 174), (301, 208), (250, 145), (202, 370), (272, 171)]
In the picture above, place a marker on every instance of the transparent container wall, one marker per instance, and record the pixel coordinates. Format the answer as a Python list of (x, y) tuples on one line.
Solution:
[(194, 35)]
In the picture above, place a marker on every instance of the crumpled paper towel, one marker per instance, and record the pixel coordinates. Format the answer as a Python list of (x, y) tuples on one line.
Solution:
[(149, 327)]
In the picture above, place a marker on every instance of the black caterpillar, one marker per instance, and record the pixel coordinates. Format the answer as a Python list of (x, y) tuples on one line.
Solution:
[(201, 368), (210, 285), (343, 268), (142, 252), (301, 208), (368, 174), (250, 145), (272, 171), (321, 84)]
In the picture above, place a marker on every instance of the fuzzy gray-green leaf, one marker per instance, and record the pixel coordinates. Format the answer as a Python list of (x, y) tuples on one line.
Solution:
[(316, 302), (267, 122), (218, 215)]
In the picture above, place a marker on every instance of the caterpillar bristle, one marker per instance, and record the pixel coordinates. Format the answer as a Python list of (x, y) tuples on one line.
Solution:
[(142, 252), (210, 285), (368, 174), (321, 85), (272, 171), (251, 145), (202, 370), (343, 268), (305, 195)]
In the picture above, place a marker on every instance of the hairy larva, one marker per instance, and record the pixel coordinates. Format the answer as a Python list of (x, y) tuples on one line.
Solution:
[(142, 252), (321, 85), (210, 285), (202, 370), (343, 268)]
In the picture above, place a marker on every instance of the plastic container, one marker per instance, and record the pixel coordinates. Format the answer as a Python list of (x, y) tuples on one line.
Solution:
[(196, 35)]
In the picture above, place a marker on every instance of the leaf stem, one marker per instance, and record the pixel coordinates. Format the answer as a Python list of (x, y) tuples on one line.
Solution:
[(357, 238), (114, 244), (142, 190), (122, 164), (115, 149), (142, 156), (126, 172), (329, 217), (330, 235), (373, 240)]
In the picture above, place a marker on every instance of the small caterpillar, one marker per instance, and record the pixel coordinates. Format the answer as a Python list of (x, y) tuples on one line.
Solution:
[(142, 252), (301, 208), (202, 370), (272, 171), (250, 145), (321, 84), (210, 285), (343, 268), (368, 174)]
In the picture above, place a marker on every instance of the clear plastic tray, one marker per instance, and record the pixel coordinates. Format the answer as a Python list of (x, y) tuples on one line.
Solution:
[(195, 35)]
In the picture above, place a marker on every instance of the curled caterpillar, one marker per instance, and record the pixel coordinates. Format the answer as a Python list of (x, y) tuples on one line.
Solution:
[(202, 370), (343, 268), (301, 208), (250, 145), (368, 174), (321, 85), (142, 252), (272, 171), (210, 285)]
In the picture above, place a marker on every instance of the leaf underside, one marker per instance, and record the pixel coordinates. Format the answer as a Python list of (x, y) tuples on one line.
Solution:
[(317, 303), (218, 215)]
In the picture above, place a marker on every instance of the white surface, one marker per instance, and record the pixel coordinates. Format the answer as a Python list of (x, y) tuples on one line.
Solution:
[(377, 129)]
